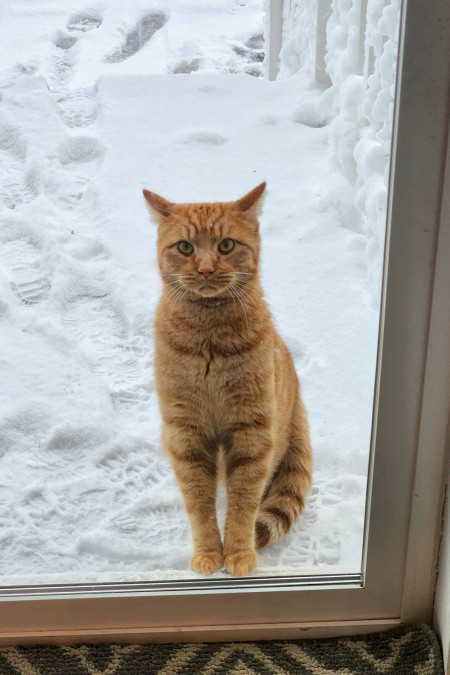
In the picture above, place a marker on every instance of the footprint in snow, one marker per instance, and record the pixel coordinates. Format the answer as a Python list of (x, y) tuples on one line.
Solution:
[(17, 188), (145, 28), (78, 107), (85, 21), (308, 550), (80, 149), (63, 41), (11, 141), (20, 259), (125, 522), (98, 327), (251, 53), (64, 59), (67, 438), (185, 66), (236, 5), (31, 292), (124, 398), (89, 249)]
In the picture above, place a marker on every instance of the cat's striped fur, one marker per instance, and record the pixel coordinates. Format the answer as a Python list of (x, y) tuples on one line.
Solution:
[(227, 386)]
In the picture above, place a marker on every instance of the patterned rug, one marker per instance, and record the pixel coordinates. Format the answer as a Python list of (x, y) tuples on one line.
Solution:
[(409, 650)]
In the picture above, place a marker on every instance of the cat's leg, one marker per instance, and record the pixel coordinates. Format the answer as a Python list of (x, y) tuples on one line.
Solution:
[(286, 496), (195, 467), (247, 469)]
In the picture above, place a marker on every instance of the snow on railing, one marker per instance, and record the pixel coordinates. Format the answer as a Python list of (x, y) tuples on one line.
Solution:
[(349, 47)]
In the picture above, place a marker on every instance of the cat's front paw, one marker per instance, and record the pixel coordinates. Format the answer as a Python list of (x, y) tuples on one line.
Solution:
[(241, 564), (207, 562)]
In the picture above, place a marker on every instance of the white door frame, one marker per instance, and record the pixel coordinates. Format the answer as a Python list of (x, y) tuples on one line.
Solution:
[(406, 469)]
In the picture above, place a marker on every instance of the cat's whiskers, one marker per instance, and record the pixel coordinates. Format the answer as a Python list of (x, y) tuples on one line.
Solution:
[(241, 280), (234, 295), (244, 282), (174, 288), (177, 276), (179, 282), (178, 291), (231, 296), (174, 284), (175, 300), (238, 297), (244, 293)]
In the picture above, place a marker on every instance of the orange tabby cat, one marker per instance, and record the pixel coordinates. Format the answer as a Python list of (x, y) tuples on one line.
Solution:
[(226, 382)]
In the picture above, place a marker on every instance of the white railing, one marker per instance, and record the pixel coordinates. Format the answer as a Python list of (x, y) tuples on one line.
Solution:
[(349, 47), (274, 39), (305, 27)]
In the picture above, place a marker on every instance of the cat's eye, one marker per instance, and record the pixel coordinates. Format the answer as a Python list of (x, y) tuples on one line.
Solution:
[(226, 245), (185, 247)]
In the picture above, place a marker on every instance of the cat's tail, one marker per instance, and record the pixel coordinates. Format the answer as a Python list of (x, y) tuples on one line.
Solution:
[(287, 492)]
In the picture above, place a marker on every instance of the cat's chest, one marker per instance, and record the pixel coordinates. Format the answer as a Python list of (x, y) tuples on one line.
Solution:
[(215, 372), (211, 375), (210, 370)]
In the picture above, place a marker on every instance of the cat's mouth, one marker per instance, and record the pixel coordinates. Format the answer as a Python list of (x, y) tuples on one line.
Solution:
[(207, 289)]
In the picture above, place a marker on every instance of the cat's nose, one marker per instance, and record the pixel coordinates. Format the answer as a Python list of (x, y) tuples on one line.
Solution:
[(206, 271)]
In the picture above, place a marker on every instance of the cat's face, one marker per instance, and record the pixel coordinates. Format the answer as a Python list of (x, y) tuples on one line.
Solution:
[(208, 248)]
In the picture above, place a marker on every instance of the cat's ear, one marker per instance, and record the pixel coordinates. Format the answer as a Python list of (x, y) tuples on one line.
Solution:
[(251, 203), (158, 204)]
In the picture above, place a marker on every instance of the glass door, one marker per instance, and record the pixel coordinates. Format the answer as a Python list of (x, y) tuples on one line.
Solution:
[(95, 521)]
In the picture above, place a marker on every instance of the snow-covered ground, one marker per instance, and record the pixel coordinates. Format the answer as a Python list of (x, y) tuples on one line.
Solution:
[(97, 102)]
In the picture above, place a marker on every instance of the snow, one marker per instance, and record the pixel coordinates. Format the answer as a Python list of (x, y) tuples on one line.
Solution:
[(142, 99)]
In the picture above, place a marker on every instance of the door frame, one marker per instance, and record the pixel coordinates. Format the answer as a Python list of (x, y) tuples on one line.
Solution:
[(405, 481)]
